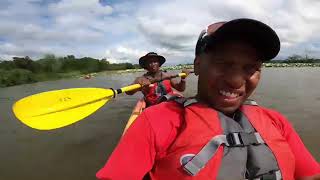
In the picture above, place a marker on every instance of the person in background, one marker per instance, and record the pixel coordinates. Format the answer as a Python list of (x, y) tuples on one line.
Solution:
[(154, 92), (219, 133)]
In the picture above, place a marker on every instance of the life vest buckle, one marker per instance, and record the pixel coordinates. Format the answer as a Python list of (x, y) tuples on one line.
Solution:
[(240, 139), (234, 140)]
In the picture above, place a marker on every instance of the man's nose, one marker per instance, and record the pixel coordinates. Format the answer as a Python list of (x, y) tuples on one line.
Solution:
[(235, 77)]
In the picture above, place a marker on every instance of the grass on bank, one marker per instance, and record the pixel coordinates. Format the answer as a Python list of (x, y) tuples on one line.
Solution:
[(23, 76)]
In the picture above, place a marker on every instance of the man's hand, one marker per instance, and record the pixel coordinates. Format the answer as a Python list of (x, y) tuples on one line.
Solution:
[(185, 71), (144, 82)]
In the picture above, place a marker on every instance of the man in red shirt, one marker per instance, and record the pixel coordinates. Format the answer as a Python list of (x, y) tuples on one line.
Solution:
[(218, 134), (153, 93)]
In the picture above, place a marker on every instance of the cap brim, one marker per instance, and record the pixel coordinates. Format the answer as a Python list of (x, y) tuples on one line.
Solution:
[(261, 35), (143, 60)]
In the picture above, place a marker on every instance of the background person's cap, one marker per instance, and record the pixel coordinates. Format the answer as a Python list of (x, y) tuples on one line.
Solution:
[(260, 35), (145, 58)]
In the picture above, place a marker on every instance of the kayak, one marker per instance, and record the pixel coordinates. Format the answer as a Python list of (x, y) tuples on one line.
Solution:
[(137, 110)]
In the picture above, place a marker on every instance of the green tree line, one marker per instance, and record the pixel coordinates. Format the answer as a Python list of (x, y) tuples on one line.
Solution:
[(21, 70), (297, 59)]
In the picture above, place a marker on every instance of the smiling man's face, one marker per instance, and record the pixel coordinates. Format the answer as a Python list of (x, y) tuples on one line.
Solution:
[(228, 75)]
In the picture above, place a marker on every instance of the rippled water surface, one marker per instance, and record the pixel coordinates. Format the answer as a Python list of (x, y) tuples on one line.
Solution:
[(79, 150)]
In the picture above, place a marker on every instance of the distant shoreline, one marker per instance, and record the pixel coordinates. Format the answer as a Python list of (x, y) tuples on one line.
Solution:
[(272, 64), (76, 74)]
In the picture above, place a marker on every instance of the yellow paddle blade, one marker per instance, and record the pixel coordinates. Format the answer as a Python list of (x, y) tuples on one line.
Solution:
[(55, 109)]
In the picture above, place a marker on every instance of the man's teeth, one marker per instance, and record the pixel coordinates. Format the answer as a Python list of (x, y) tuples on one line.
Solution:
[(229, 94)]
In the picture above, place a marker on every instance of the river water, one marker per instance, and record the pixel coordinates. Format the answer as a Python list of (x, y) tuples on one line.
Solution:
[(79, 150)]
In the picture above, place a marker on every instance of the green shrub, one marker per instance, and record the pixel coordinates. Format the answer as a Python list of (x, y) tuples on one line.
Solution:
[(15, 77)]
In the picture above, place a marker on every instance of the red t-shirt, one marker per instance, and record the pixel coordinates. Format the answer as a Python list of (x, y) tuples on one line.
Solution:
[(137, 150)]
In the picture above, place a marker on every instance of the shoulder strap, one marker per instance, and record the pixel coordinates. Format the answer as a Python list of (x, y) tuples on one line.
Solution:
[(168, 97), (250, 102), (189, 101), (184, 102)]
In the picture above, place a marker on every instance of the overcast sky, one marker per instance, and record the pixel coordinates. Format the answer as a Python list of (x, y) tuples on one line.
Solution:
[(124, 30)]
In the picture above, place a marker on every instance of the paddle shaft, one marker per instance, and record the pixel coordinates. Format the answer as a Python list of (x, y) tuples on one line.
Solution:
[(137, 86)]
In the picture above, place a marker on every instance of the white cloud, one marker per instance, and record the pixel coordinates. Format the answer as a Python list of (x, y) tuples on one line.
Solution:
[(71, 14), (81, 7), (123, 54), (10, 50), (296, 21), (124, 31)]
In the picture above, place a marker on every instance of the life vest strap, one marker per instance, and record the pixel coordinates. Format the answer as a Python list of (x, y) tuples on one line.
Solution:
[(240, 139), (189, 101), (178, 99), (250, 102), (206, 153), (237, 139), (170, 97), (274, 175)]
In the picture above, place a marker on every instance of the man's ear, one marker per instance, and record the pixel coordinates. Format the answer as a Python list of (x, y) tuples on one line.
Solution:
[(196, 65)]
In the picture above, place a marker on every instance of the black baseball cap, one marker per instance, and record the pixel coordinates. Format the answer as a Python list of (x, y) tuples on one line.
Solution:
[(260, 35)]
